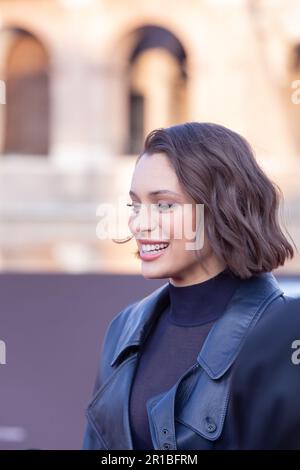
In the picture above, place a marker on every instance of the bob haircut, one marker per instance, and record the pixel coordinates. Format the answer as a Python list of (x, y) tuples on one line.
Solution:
[(217, 167)]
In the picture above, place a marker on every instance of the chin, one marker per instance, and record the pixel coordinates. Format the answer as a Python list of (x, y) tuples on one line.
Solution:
[(154, 274)]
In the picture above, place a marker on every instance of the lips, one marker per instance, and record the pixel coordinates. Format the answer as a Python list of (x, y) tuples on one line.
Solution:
[(150, 250), (153, 247), (146, 241)]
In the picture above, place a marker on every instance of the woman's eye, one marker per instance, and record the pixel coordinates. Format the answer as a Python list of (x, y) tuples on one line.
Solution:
[(165, 206), (135, 207), (162, 206)]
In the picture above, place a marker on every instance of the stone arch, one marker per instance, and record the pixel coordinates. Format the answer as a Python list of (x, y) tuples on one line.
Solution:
[(26, 74), (148, 101)]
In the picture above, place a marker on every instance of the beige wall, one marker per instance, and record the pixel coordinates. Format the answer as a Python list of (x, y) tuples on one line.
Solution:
[(238, 74)]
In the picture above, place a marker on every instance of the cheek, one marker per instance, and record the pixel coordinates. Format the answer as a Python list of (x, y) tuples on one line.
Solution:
[(180, 256), (183, 224), (129, 223), (132, 224), (177, 227), (168, 224), (130, 220)]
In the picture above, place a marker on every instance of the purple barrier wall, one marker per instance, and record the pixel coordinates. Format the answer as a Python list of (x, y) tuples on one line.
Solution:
[(53, 326)]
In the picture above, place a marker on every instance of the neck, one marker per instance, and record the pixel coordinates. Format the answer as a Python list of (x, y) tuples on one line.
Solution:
[(201, 302), (196, 277)]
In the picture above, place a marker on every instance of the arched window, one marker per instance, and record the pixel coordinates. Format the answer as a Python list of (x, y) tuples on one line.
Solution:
[(26, 72), (157, 83)]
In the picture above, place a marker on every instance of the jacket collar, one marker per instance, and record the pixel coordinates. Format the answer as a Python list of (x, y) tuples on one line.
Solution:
[(228, 334), (225, 339), (142, 315)]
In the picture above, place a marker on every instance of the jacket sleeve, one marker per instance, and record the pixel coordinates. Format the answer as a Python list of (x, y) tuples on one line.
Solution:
[(90, 439), (266, 386)]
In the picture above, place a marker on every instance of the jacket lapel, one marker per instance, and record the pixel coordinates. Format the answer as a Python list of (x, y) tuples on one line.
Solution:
[(108, 412), (140, 320), (226, 338)]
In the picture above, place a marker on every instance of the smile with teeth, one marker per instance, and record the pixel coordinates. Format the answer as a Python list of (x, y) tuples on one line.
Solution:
[(154, 248)]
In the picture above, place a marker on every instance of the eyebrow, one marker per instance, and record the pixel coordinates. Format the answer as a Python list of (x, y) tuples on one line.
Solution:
[(155, 193)]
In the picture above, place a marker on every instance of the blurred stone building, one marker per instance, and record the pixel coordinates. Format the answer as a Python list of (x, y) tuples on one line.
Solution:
[(86, 80)]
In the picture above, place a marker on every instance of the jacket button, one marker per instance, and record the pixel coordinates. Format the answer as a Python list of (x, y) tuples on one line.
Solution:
[(210, 425), (167, 446), (165, 431)]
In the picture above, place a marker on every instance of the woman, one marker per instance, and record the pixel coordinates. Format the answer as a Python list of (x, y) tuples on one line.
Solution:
[(167, 360)]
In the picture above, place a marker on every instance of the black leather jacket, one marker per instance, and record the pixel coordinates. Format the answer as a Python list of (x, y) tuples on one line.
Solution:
[(194, 413)]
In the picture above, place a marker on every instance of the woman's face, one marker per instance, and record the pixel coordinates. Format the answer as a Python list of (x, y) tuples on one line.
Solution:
[(165, 215)]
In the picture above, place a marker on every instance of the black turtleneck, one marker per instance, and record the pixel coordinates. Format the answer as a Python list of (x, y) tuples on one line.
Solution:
[(174, 343)]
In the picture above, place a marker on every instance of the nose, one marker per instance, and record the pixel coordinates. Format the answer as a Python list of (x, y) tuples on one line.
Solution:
[(144, 221)]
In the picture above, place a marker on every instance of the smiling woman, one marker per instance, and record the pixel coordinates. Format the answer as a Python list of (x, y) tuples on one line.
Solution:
[(155, 183), (205, 163), (164, 352)]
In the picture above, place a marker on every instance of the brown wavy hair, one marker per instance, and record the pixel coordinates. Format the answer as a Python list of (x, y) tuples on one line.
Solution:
[(217, 168)]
